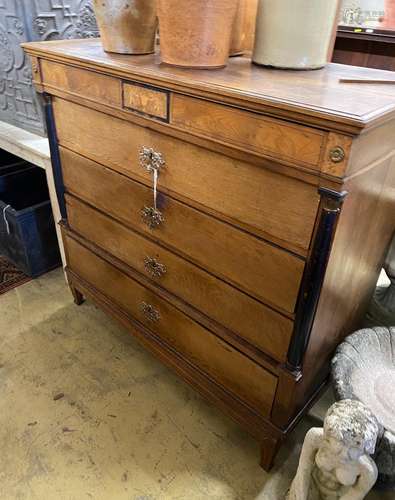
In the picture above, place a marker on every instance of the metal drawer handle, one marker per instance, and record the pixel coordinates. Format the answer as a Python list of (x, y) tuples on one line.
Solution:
[(337, 154), (150, 312), (151, 160), (152, 217), (154, 268)]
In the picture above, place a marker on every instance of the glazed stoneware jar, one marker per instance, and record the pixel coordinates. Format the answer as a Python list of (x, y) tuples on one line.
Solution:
[(127, 26), (295, 34), (196, 34)]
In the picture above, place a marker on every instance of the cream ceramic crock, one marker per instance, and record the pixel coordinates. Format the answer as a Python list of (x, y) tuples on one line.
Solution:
[(296, 34)]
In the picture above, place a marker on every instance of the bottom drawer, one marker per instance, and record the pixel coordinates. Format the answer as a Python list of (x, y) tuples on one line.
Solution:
[(234, 371)]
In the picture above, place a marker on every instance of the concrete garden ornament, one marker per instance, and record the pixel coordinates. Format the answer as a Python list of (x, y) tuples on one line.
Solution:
[(335, 462), (364, 369)]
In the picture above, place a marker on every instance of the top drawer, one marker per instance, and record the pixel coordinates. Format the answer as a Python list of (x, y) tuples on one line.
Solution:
[(273, 206), (244, 130)]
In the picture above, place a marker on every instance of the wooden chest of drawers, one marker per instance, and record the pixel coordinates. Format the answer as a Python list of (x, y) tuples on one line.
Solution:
[(274, 208)]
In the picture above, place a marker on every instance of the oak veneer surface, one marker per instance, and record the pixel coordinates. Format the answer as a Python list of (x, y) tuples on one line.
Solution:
[(276, 201), (271, 204), (310, 93), (223, 303), (269, 273)]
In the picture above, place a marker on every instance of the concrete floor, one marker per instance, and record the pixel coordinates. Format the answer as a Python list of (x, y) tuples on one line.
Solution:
[(126, 428)]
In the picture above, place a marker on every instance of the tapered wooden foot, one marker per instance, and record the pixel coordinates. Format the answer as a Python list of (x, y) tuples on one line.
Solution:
[(78, 297), (269, 449)]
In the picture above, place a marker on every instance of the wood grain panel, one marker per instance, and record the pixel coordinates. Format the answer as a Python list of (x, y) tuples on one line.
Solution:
[(263, 202), (248, 131), (227, 366), (264, 271), (259, 325), (329, 167), (308, 97), (364, 231), (88, 84), (146, 100)]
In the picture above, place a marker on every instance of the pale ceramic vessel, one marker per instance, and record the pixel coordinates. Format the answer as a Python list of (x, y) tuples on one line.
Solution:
[(295, 34)]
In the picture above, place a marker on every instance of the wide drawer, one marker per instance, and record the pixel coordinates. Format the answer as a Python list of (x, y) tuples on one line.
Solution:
[(263, 270), (274, 206), (241, 129), (256, 323), (240, 375)]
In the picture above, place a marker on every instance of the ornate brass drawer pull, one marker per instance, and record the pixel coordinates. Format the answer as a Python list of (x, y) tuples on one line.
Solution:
[(154, 268), (151, 160), (152, 217), (150, 312)]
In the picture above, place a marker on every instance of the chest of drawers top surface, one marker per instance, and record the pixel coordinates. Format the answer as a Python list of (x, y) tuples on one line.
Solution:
[(310, 96)]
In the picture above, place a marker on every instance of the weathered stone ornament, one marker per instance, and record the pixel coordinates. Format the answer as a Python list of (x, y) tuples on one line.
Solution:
[(364, 369), (335, 462)]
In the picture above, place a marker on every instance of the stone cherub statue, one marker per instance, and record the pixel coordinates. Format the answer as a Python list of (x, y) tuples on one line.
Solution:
[(335, 462)]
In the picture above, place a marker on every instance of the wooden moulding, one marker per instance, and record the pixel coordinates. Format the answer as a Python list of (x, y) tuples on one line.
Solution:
[(55, 156), (331, 202)]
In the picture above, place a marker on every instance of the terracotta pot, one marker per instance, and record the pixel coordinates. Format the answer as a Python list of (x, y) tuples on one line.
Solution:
[(127, 26), (196, 34), (389, 15), (238, 35), (250, 23), (295, 34)]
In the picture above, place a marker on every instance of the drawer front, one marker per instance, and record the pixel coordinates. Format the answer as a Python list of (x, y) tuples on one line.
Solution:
[(274, 206), (265, 136), (88, 84), (249, 131), (256, 323), (236, 372), (264, 271)]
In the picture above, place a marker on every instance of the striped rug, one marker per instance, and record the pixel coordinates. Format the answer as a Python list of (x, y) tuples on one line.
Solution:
[(10, 276)]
